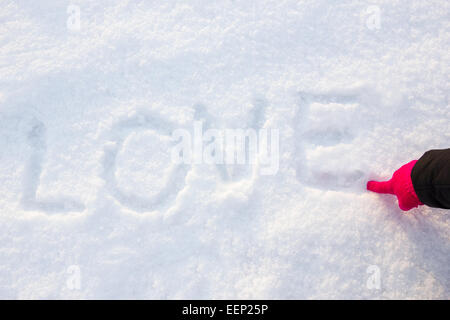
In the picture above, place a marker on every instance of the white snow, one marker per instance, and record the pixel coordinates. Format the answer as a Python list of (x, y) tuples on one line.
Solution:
[(92, 207)]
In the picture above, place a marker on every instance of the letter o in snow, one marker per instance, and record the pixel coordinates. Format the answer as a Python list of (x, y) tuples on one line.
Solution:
[(172, 182)]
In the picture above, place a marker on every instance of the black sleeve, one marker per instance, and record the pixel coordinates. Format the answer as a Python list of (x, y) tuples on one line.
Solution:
[(431, 178)]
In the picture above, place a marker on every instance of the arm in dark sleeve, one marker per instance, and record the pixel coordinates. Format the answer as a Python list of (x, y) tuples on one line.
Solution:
[(431, 178)]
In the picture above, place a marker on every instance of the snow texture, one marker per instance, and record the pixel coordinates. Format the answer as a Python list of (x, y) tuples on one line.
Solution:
[(92, 207)]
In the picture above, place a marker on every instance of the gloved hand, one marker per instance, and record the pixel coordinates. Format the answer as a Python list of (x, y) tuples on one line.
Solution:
[(400, 185)]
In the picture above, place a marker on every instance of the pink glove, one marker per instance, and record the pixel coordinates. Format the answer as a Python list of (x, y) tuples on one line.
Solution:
[(401, 185)]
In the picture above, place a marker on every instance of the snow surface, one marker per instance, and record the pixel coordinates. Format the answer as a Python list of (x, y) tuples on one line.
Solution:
[(88, 190)]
